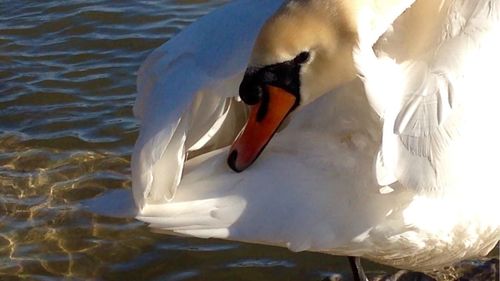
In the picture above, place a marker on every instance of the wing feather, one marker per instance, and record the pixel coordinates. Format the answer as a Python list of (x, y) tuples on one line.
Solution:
[(183, 90), (429, 99)]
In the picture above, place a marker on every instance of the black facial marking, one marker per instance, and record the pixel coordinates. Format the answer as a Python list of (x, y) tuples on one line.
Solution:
[(302, 58), (250, 87), (285, 75)]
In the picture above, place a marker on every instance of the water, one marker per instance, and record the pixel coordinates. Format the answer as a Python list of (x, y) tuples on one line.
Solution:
[(67, 86)]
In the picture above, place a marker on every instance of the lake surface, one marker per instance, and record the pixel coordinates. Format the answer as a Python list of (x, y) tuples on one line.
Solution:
[(67, 86)]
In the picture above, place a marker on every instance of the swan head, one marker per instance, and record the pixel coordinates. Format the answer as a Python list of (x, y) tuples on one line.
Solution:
[(305, 48), (302, 52)]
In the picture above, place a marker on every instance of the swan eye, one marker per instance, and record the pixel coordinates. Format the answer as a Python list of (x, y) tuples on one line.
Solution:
[(302, 58)]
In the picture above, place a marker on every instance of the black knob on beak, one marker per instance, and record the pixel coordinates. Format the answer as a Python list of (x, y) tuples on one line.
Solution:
[(250, 89)]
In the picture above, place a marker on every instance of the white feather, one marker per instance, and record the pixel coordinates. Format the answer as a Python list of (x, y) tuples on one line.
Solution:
[(215, 57), (425, 106), (424, 110)]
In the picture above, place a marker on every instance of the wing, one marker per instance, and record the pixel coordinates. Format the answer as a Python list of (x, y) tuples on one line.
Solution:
[(304, 192), (418, 134), (432, 97), (183, 90)]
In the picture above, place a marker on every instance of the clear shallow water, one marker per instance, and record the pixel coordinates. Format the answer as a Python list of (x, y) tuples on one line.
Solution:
[(67, 86)]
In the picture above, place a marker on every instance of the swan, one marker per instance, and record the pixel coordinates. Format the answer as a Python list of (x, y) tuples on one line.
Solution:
[(370, 129)]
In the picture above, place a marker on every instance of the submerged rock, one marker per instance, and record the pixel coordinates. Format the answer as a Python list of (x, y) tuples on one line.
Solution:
[(470, 270)]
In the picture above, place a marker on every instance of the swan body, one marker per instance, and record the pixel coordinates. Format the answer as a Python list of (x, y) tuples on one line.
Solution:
[(397, 166)]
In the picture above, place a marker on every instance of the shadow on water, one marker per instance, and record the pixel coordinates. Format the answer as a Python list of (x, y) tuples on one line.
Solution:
[(67, 86)]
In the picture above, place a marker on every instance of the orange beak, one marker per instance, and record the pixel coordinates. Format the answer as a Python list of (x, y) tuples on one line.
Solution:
[(261, 125)]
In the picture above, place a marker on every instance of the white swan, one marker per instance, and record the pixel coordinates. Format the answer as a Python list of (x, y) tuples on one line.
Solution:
[(398, 166)]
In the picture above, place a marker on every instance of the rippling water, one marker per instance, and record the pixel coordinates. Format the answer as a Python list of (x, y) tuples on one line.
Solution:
[(67, 86)]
